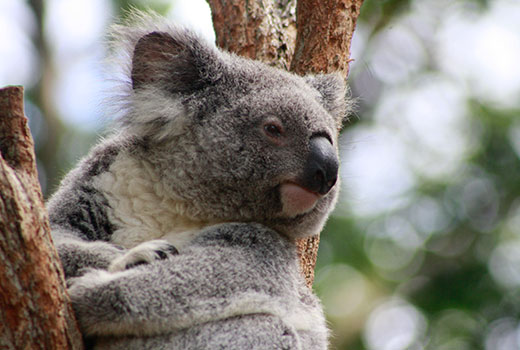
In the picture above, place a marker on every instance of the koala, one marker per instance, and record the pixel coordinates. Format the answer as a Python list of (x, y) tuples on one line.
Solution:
[(178, 230)]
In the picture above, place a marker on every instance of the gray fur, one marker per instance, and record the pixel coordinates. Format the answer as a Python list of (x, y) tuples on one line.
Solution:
[(192, 151), (226, 278), (77, 214)]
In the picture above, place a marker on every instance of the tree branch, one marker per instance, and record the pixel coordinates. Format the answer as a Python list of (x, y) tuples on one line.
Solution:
[(258, 29), (35, 312), (325, 29), (324, 35)]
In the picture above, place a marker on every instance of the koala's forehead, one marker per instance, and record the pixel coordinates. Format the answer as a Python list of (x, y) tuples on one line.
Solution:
[(288, 98), (252, 89)]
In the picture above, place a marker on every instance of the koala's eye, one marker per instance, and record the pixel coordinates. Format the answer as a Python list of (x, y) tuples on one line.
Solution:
[(273, 130)]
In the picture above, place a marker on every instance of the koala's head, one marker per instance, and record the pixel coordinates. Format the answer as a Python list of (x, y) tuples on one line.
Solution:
[(232, 138)]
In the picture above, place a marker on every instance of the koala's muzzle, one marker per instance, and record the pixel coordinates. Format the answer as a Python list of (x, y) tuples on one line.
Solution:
[(321, 170)]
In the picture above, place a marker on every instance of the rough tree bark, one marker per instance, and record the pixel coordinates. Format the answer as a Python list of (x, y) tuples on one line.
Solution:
[(35, 311), (312, 36), (260, 29)]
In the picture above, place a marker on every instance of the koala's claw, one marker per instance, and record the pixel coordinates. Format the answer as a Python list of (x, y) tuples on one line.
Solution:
[(144, 253), (170, 250)]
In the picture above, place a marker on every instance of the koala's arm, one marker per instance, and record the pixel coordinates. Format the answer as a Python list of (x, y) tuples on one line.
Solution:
[(258, 332), (80, 230), (238, 271), (80, 226)]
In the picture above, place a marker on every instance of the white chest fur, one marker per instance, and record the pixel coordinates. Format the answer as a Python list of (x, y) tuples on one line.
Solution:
[(142, 207)]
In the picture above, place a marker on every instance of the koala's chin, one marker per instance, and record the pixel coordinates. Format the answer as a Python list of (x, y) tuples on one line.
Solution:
[(296, 200), (295, 220)]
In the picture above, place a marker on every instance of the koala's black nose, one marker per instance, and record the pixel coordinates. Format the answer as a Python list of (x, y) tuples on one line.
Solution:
[(321, 170)]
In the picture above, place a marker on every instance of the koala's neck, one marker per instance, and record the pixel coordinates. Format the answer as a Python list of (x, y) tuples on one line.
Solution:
[(142, 207)]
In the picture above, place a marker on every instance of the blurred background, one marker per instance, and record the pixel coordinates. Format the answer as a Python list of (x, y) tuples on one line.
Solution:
[(423, 250)]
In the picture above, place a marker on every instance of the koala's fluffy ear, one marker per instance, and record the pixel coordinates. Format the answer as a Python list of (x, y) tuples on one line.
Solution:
[(178, 62), (333, 94)]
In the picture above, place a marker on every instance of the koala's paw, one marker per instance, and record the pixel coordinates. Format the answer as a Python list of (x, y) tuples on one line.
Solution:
[(144, 253)]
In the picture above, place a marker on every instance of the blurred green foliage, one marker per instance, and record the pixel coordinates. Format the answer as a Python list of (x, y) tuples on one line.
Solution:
[(460, 285)]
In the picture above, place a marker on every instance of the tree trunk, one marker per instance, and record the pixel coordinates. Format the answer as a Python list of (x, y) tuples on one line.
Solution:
[(313, 36), (259, 29), (35, 312)]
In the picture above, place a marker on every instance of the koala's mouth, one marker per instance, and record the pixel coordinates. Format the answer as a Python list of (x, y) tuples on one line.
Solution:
[(297, 200)]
